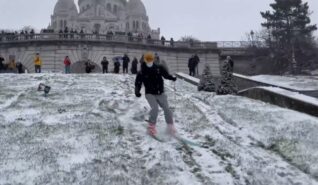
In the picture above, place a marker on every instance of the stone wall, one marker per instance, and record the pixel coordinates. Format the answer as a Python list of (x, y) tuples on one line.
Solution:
[(53, 53), (281, 100)]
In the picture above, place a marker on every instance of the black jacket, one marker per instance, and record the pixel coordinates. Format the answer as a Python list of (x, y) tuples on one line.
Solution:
[(152, 79), (105, 63), (1, 64), (126, 61)]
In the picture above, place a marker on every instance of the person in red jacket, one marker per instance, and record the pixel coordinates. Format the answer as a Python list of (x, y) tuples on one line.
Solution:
[(67, 63)]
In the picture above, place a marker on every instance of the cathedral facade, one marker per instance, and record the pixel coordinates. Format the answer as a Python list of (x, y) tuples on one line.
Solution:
[(102, 16)]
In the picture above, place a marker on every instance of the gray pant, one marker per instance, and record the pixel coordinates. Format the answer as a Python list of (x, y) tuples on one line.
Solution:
[(161, 100)]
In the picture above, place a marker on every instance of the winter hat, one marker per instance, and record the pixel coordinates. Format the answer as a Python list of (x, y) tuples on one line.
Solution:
[(149, 57)]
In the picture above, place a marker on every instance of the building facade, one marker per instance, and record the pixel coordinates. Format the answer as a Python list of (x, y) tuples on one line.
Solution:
[(103, 16)]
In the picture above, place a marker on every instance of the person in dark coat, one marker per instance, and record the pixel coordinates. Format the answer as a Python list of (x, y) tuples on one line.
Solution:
[(163, 40), (141, 61), (104, 64), (116, 66), (126, 61), (171, 42), (151, 76), (89, 67), (196, 60), (231, 63), (66, 32), (20, 68), (191, 66), (1, 63), (134, 66)]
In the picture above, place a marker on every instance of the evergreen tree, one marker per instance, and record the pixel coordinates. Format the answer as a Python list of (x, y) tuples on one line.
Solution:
[(206, 81), (290, 32), (227, 84)]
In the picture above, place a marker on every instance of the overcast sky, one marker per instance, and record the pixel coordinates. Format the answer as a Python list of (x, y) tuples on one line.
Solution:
[(207, 20)]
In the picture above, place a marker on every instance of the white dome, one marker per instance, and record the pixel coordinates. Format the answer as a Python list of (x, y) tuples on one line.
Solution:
[(136, 7), (65, 7)]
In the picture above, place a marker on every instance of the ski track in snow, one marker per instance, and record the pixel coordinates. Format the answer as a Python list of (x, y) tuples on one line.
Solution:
[(91, 130)]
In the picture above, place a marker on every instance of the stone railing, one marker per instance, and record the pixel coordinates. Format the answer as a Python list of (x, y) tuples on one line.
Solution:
[(13, 38), (241, 44)]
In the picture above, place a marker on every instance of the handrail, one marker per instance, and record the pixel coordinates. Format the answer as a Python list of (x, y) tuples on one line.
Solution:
[(9, 38), (13, 38)]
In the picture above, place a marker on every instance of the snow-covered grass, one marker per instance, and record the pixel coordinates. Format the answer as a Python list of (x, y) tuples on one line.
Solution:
[(90, 129)]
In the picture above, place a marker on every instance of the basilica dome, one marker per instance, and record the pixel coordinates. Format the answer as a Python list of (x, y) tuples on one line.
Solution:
[(136, 7), (65, 7)]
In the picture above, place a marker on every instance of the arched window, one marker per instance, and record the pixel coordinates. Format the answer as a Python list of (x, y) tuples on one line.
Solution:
[(115, 9), (137, 25), (61, 24), (65, 23), (109, 7)]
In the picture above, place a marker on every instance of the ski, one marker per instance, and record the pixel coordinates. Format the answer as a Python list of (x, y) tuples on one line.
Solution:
[(186, 141), (157, 138)]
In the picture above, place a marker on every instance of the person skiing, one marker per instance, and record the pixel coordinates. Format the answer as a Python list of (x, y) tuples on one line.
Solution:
[(134, 66), (151, 76), (37, 63), (126, 61), (67, 64), (104, 64)]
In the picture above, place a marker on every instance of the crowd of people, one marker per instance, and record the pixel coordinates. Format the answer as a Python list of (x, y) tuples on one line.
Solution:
[(67, 33), (15, 35), (11, 67), (127, 64)]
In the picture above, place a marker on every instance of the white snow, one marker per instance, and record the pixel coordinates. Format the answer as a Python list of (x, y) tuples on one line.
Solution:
[(294, 95), (193, 79), (299, 83), (90, 129)]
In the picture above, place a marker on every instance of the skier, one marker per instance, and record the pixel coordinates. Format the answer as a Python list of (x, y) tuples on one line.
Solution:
[(126, 61), (151, 76), (105, 63), (134, 66), (37, 63), (67, 64)]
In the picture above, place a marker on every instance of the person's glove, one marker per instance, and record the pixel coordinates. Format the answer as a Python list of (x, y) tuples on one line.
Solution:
[(138, 95), (174, 79)]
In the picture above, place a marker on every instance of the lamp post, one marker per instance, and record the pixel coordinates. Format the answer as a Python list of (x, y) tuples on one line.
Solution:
[(252, 37), (293, 54)]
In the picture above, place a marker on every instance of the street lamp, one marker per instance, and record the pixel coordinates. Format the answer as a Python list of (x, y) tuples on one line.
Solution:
[(252, 37)]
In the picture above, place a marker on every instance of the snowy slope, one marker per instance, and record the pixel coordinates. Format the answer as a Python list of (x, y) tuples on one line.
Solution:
[(91, 130)]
